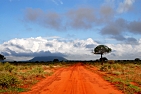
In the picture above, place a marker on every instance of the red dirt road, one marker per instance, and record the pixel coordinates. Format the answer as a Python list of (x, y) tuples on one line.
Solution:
[(73, 80)]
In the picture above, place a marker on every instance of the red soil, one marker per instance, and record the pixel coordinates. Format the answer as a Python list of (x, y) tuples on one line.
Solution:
[(73, 80)]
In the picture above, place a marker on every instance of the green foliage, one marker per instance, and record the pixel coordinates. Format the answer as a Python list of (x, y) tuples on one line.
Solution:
[(110, 67), (123, 85), (101, 49), (36, 72), (137, 59), (2, 57), (50, 65), (8, 67), (13, 77), (2, 68), (125, 76), (111, 61), (7, 80), (117, 66), (105, 67), (12, 90)]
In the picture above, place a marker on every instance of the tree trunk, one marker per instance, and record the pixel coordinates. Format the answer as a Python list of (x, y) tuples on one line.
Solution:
[(101, 59)]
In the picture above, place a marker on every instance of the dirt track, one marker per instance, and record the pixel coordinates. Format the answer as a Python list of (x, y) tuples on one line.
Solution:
[(73, 80)]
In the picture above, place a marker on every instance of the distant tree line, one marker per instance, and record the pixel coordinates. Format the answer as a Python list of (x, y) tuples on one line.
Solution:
[(2, 57)]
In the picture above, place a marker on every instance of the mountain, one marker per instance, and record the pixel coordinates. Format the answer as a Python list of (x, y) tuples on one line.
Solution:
[(48, 58)]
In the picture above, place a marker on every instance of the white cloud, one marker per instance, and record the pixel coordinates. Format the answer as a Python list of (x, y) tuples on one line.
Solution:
[(31, 47), (71, 49), (54, 2), (57, 2), (125, 6), (61, 2)]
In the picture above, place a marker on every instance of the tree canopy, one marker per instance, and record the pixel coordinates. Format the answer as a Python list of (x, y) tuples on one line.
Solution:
[(102, 49), (2, 57), (137, 59)]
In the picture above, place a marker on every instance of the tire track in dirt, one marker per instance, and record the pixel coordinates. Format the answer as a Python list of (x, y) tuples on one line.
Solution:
[(74, 79)]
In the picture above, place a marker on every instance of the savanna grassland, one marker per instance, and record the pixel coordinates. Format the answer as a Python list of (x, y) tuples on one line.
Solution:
[(20, 77), (125, 75)]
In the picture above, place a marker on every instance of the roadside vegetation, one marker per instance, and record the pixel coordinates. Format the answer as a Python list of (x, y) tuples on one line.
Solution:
[(126, 76), (19, 77)]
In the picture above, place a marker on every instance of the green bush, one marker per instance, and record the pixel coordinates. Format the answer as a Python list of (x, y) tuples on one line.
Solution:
[(116, 66), (111, 61), (50, 65), (8, 67), (2, 68), (7, 80), (105, 67), (38, 70)]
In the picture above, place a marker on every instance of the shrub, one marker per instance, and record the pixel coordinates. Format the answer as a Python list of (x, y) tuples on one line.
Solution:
[(105, 67), (1, 68), (8, 67), (7, 80), (111, 61), (137, 59), (116, 66), (50, 66), (116, 72), (38, 70), (55, 60)]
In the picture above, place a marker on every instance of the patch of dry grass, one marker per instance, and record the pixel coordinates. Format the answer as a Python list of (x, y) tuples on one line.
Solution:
[(126, 76), (22, 76)]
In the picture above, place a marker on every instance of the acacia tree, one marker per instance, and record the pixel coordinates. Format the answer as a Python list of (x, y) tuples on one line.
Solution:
[(137, 59), (2, 57), (102, 49)]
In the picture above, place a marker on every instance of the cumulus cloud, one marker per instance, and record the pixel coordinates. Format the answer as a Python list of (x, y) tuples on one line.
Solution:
[(86, 18), (107, 13), (115, 29), (73, 49), (125, 51), (32, 15), (135, 27), (39, 46), (81, 18), (132, 41), (47, 19), (120, 27), (125, 6)]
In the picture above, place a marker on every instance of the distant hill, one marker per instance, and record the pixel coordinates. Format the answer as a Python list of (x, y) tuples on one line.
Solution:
[(48, 58)]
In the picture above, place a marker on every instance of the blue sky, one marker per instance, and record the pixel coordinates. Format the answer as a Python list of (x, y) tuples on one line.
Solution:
[(70, 28), (13, 13)]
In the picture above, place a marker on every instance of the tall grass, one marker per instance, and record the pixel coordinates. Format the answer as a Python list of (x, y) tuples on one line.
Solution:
[(20, 77), (126, 76)]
